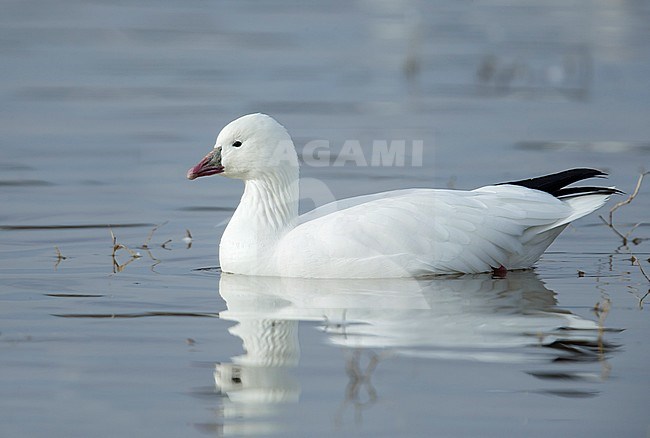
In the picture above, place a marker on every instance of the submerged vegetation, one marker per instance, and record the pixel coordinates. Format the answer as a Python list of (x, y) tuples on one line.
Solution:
[(610, 221), (627, 237)]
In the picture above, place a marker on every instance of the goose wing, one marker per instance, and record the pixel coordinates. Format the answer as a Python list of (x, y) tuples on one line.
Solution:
[(420, 231)]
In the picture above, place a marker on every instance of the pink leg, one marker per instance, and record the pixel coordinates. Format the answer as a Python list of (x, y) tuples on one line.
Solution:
[(500, 272)]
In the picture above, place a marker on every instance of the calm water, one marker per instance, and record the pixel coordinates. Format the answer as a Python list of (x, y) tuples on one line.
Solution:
[(105, 106)]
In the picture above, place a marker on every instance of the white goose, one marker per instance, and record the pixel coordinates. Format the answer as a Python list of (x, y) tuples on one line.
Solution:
[(402, 233)]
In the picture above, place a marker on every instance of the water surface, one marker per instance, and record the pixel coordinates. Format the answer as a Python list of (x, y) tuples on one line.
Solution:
[(106, 105)]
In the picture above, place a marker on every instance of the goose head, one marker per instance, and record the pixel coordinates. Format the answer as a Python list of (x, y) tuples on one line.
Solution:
[(251, 147)]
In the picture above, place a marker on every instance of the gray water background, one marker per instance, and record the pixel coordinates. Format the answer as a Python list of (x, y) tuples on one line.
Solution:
[(106, 104)]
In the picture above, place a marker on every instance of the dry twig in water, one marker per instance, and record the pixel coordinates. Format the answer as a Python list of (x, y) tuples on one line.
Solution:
[(626, 237), (601, 310), (117, 267), (610, 223), (59, 257), (188, 238), (147, 248), (635, 261), (145, 245)]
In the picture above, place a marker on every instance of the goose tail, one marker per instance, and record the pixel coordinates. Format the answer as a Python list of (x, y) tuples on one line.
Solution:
[(582, 199)]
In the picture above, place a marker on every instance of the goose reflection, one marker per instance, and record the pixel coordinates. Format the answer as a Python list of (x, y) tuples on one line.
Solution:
[(476, 318)]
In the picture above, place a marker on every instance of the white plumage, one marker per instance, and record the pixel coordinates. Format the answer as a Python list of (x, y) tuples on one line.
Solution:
[(403, 233)]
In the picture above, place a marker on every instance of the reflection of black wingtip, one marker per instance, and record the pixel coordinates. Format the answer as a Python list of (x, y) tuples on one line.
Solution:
[(569, 393), (581, 350), (555, 376), (568, 376)]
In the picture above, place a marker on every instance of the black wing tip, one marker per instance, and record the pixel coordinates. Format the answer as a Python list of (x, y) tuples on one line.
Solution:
[(556, 183), (588, 172), (569, 192), (576, 174)]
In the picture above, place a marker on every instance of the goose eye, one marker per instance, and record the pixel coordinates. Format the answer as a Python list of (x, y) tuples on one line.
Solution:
[(236, 144)]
